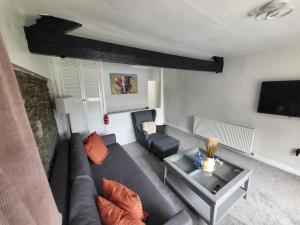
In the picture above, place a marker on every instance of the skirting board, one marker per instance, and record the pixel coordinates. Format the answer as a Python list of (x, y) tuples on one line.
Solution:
[(277, 165), (257, 157)]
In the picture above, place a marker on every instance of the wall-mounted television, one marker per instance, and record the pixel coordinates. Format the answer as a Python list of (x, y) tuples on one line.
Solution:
[(280, 98)]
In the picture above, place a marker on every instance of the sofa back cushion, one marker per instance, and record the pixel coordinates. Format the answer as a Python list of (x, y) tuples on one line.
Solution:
[(109, 139), (79, 164), (83, 206)]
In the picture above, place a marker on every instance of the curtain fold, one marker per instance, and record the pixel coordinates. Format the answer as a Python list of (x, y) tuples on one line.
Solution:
[(25, 195)]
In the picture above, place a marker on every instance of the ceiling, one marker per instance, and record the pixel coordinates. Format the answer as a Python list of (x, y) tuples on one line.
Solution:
[(195, 28)]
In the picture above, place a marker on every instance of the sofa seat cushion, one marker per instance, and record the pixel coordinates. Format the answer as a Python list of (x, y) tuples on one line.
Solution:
[(120, 167)]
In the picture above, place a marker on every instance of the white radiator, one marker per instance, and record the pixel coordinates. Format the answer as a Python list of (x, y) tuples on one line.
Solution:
[(236, 137)]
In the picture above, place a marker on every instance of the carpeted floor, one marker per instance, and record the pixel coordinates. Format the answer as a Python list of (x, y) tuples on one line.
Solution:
[(274, 195)]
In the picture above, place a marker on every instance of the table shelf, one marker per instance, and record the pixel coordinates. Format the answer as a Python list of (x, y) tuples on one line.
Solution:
[(199, 205), (190, 197), (196, 187)]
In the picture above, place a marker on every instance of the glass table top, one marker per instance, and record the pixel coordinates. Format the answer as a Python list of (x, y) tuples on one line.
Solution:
[(223, 173)]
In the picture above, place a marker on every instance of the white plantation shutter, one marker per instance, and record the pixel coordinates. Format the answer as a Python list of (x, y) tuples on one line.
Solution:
[(90, 75), (81, 79), (70, 78)]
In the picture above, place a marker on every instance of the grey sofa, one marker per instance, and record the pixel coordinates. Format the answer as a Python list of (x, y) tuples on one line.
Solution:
[(142, 137), (76, 182)]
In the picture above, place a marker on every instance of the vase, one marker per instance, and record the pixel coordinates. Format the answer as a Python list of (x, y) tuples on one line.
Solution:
[(198, 159), (209, 165)]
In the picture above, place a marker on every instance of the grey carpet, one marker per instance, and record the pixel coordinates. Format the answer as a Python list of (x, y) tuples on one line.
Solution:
[(274, 195)]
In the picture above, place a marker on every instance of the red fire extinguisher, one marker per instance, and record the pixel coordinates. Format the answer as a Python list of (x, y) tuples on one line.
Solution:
[(106, 119)]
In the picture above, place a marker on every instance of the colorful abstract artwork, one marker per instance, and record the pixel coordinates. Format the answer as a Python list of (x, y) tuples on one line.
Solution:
[(123, 83)]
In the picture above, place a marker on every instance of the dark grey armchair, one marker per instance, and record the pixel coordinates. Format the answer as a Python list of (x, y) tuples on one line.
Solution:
[(143, 137)]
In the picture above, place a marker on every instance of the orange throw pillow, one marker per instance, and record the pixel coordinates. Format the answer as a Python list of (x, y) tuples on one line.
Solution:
[(124, 198), (95, 148), (113, 215)]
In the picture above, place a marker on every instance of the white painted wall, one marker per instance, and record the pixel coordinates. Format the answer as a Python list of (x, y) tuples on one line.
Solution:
[(121, 123), (130, 101), (153, 98), (232, 97), (11, 28)]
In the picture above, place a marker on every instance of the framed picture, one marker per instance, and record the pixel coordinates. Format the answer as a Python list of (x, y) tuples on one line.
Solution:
[(121, 83)]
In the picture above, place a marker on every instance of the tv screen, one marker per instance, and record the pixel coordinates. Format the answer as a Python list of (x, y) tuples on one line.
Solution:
[(280, 98)]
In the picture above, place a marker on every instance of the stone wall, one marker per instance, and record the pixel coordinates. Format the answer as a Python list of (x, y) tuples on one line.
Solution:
[(39, 110)]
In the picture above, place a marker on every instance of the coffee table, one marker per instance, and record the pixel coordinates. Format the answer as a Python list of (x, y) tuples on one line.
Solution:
[(195, 186)]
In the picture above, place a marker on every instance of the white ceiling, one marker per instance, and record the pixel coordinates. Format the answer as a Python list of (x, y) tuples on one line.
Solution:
[(195, 28)]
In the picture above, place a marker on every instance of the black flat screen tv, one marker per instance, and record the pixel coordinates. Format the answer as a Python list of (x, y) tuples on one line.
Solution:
[(280, 98)]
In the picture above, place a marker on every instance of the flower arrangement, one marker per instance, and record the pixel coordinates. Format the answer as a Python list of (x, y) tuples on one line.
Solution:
[(212, 147), (209, 163)]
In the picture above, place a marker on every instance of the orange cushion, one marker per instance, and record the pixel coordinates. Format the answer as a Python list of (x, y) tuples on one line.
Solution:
[(113, 215), (95, 148), (124, 198)]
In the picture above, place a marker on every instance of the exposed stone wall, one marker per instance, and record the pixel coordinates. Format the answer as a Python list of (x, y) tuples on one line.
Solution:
[(39, 109)]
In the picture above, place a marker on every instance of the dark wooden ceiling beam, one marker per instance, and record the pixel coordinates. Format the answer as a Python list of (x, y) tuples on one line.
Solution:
[(48, 37)]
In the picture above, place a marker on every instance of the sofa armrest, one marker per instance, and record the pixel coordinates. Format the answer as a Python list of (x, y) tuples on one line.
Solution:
[(60, 179), (161, 129), (109, 139), (181, 218)]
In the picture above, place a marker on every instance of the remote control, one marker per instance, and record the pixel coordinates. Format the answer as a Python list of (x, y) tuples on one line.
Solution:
[(216, 189)]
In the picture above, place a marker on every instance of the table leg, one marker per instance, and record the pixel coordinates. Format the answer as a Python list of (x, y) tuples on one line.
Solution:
[(165, 174), (213, 214), (246, 185)]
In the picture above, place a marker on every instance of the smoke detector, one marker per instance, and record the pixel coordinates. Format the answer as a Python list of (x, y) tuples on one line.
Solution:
[(272, 10)]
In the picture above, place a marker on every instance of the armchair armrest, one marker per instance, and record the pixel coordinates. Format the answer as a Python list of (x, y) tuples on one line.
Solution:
[(161, 129), (181, 218)]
